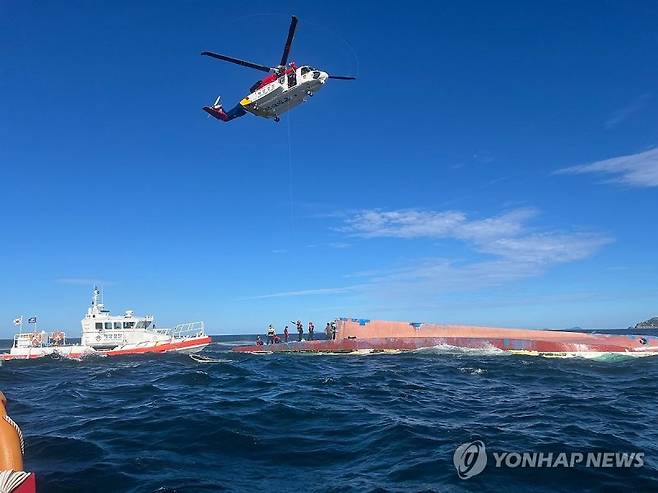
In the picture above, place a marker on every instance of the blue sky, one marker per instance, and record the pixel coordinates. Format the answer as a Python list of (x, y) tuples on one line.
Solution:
[(493, 164)]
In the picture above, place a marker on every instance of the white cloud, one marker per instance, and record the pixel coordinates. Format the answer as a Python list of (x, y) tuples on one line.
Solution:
[(637, 170), (516, 251), (509, 250), (403, 224), (622, 114), (546, 248), (304, 292), (83, 281), (414, 223), (339, 245)]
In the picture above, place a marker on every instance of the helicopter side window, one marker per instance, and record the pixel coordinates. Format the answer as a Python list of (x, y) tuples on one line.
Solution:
[(305, 70), (292, 79)]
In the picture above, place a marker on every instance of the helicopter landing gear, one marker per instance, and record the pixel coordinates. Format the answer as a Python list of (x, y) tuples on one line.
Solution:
[(309, 93), (277, 119)]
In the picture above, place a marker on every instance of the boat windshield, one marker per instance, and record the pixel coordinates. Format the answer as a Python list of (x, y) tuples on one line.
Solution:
[(143, 324)]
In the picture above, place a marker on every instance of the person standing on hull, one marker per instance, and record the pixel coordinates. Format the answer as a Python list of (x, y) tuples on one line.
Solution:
[(327, 331), (270, 334), (333, 331), (300, 329), (285, 334), (311, 329)]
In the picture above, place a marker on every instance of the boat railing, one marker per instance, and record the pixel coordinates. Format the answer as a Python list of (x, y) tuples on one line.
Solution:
[(184, 331)]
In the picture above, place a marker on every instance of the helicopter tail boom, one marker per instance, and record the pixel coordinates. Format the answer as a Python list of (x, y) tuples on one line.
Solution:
[(217, 111)]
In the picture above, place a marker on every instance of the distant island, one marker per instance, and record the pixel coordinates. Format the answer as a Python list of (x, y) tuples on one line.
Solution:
[(652, 323)]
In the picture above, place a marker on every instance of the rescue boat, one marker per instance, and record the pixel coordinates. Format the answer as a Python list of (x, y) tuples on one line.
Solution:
[(104, 334), (362, 335)]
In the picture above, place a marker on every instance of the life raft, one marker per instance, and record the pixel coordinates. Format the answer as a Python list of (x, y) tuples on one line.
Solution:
[(37, 339), (57, 337), (12, 477)]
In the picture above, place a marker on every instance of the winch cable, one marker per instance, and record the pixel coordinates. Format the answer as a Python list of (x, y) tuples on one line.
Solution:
[(290, 176)]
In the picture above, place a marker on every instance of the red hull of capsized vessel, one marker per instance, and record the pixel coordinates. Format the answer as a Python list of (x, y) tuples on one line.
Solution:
[(353, 335)]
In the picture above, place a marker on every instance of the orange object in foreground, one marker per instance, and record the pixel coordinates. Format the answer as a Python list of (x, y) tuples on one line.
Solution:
[(11, 452), (12, 477)]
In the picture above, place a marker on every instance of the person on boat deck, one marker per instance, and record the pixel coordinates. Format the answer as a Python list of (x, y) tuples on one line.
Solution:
[(285, 333), (333, 330), (259, 341), (270, 334), (311, 329), (300, 329), (327, 330)]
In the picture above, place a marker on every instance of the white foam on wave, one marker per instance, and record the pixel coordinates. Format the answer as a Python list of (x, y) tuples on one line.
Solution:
[(206, 359), (596, 355), (449, 349)]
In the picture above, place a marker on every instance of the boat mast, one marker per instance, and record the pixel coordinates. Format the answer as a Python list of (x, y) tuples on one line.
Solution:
[(95, 297)]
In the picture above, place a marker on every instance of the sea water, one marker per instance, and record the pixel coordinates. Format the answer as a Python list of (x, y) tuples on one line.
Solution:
[(330, 423)]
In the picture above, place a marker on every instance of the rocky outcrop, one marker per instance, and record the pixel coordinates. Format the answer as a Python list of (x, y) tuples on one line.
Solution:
[(652, 323)]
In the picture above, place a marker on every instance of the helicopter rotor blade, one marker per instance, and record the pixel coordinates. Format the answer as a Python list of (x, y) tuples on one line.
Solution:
[(342, 77), (291, 35), (237, 61)]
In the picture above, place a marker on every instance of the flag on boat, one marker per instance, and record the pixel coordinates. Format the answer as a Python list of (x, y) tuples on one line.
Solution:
[(18, 321), (32, 320)]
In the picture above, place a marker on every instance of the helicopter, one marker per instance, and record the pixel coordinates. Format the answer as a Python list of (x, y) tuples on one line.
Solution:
[(286, 86)]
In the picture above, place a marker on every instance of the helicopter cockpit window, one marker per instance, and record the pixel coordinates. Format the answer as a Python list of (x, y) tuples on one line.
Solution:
[(305, 70), (255, 86)]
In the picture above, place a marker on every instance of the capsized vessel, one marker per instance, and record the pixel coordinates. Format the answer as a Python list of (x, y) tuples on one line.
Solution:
[(104, 334), (362, 335)]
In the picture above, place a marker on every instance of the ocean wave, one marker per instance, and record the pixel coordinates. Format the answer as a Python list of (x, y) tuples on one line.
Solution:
[(448, 349), (387, 423)]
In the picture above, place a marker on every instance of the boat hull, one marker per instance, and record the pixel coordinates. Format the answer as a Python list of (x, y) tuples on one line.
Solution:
[(187, 345), (379, 336), (191, 345)]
